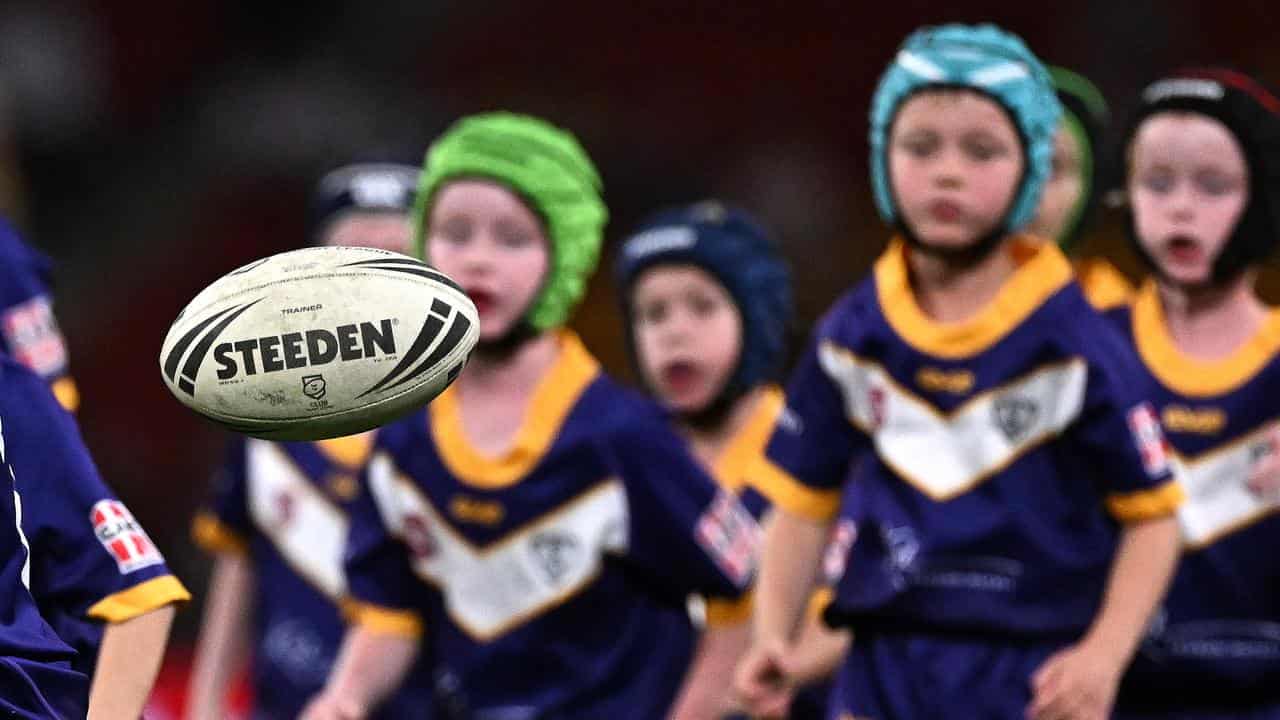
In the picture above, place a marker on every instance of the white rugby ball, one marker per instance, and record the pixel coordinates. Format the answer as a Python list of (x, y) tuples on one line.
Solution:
[(319, 342)]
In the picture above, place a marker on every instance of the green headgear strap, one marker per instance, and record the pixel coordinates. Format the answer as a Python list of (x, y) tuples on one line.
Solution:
[(549, 170)]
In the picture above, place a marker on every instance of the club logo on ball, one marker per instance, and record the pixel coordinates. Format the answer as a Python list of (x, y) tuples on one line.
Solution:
[(313, 386)]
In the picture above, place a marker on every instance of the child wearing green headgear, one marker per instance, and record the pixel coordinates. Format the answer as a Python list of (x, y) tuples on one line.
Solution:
[(970, 426), (1072, 191), (538, 522)]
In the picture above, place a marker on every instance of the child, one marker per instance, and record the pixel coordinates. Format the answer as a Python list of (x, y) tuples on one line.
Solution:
[(114, 610), (707, 301), (277, 523), (989, 412), (1071, 193), (536, 521), (1204, 191)]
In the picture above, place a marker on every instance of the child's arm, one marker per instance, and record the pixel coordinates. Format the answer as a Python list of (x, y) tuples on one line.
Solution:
[(223, 646), (706, 694), (370, 666), (819, 649), (127, 664), (1081, 681), (788, 571)]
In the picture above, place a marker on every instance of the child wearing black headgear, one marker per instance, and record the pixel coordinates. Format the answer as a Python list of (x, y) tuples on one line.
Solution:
[(1203, 182), (707, 301)]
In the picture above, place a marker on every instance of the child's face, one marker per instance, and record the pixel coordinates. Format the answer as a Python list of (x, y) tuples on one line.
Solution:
[(1188, 185), (485, 238), (688, 334), (381, 230), (955, 160), (1062, 194)]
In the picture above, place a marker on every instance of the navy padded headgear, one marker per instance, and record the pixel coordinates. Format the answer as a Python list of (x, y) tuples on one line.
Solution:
[(727, 243)]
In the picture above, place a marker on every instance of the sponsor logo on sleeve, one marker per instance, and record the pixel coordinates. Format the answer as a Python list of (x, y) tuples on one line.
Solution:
[(730, 536), (1150, 441), (122, 536)]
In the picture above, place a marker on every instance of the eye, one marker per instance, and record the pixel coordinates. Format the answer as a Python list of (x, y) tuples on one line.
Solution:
[(983, 148), (650, 313), (1216, 183), (1158, 181), (455, 230), (512, 236), (919, 145)]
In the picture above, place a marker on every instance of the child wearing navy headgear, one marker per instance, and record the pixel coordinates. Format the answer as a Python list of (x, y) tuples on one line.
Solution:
[(974, 422), (707, 299)]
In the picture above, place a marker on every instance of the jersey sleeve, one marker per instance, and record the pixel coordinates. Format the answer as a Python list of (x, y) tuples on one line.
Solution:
[(686, 534), (383, 593), (89, 556), (222, 524), (814, 442), (1120, 433)]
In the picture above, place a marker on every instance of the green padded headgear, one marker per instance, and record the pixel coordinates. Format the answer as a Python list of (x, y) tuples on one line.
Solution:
[(549, 170)]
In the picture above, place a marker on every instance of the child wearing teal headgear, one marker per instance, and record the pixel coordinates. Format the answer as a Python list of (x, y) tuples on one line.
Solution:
[(539, 522), (964, 433)]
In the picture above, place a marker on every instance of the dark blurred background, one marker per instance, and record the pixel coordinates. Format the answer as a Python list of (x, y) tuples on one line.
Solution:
[(150, 148)]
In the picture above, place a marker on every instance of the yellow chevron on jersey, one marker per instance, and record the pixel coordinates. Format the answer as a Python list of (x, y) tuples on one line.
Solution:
[(1042, 272), (947, 454), (490, 590), (1190, 376)]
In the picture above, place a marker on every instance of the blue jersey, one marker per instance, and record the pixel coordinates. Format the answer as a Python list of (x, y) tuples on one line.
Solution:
[(552, 580), (28, 330), (1216, 639), (285, 505), (36, 677), (91, 561), (987, 452)]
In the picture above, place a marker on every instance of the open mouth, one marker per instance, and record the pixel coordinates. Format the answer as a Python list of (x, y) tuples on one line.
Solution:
[(1183, 249), (482, 299), (680, 377)]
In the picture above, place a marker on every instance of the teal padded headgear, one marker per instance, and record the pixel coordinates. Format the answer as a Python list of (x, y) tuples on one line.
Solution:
[(985, 59), (548, 168)]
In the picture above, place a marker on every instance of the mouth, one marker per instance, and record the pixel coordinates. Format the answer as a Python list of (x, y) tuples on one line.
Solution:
[(1183, 249), (945, 211), (484, 300), (680, 377)]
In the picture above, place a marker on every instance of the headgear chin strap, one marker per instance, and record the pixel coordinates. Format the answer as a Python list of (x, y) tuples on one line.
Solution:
[(1251, 111)]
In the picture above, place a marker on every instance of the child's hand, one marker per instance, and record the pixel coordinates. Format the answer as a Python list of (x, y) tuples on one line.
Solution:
[(1264, 476), (762, 683), (1077, 683)]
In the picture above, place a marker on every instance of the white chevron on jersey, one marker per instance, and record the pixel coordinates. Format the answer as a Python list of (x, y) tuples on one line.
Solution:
[(492, 589), (1218, 500), (946, 454), (308, 530)]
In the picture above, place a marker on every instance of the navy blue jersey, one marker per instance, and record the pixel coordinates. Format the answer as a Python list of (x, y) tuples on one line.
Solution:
[(285, 506), (988, 452), (91, 562), (1216, 640), (36, 676), (551, 581)]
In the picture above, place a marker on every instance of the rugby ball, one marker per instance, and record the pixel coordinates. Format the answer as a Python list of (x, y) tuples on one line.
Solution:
[(319, 343)]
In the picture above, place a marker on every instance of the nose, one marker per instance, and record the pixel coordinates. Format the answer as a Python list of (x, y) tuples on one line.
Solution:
[(1181, 206), (948, 171)]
